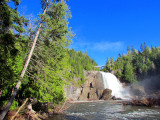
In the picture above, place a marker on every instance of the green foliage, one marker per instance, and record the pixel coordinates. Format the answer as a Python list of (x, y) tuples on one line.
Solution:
[(14, 105), (49, 69), (80, 62), (52, 64), (107, 66), (11, 37), (136, 64), (128, 72)]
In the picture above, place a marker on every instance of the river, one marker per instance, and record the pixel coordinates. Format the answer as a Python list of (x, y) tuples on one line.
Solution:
[(107, 110)]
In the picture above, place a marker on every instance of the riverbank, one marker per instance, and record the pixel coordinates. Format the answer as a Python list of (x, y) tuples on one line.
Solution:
[(70, 109), (58, 110)]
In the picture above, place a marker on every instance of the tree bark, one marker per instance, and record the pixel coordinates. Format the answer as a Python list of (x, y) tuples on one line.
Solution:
[(19, 109), (4, 112)]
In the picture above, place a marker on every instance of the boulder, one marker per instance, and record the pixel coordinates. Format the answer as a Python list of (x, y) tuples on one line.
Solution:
[(106, 95)]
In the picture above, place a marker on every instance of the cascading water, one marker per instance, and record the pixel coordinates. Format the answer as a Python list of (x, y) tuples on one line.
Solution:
[(111, 82)]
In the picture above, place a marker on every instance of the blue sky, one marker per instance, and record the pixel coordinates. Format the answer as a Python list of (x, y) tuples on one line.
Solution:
[(105, 28)]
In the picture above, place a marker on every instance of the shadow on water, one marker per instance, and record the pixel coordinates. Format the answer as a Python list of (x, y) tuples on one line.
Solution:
[(65, 117)]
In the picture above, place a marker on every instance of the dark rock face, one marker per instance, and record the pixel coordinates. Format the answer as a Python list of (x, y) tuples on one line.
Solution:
[(106, 95), (93, 87)]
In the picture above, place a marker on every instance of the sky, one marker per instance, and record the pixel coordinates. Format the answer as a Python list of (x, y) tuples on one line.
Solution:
[(106, 28)]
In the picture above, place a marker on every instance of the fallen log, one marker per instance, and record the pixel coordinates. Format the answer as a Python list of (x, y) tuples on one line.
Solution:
[(148, 102), (33, 115), (12, 118)]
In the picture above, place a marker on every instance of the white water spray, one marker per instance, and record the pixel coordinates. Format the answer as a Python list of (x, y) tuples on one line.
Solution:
[(111, 82)]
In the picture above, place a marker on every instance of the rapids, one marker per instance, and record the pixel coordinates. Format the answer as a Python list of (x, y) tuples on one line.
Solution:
[(107, 110)]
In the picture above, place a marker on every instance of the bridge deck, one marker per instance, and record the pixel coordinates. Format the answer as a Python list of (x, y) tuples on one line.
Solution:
[(99, 66)]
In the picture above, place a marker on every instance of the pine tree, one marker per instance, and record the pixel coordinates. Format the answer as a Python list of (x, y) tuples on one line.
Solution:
[(107, 67), (11, 28), (129, 72), (19, 29), (142, 47)]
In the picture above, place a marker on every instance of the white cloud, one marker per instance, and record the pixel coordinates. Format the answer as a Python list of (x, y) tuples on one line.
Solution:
[(98, 46)]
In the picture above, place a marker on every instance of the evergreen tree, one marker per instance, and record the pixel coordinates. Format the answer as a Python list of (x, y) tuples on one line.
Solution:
[(136, 65), (80, 62), (129, 72), (107, 67), (50, 57), (142, 47), (11, 29), (10, 21)]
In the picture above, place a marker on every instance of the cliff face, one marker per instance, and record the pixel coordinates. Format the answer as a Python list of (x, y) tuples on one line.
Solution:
[(72, 92), (92, 89)]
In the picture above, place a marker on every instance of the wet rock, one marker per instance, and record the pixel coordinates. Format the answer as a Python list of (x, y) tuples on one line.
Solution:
[(149, 100), (115, 98), (106, 95)]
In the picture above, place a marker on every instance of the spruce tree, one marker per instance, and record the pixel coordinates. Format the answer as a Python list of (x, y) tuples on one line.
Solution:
[(18, 28)]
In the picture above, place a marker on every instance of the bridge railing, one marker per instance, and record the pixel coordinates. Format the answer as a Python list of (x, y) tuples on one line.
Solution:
[(100, 67)]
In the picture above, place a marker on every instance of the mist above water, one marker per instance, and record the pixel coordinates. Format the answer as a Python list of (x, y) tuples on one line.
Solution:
[(146, 87)]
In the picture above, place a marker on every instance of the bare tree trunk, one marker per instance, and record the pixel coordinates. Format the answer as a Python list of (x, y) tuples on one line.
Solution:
[(19, 109), (4, 112)]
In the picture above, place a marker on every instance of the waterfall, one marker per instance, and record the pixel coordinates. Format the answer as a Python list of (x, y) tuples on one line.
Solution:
[(111, 82)]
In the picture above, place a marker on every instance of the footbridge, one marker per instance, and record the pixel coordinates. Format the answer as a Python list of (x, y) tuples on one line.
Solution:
[(100, 67)]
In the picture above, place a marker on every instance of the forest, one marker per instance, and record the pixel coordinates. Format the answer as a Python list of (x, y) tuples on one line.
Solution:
[(36, 61), (52, 64), (136, 64)]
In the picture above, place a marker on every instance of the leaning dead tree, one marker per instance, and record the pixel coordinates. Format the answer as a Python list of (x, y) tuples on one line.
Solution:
[(20, 109), (4, 112)]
